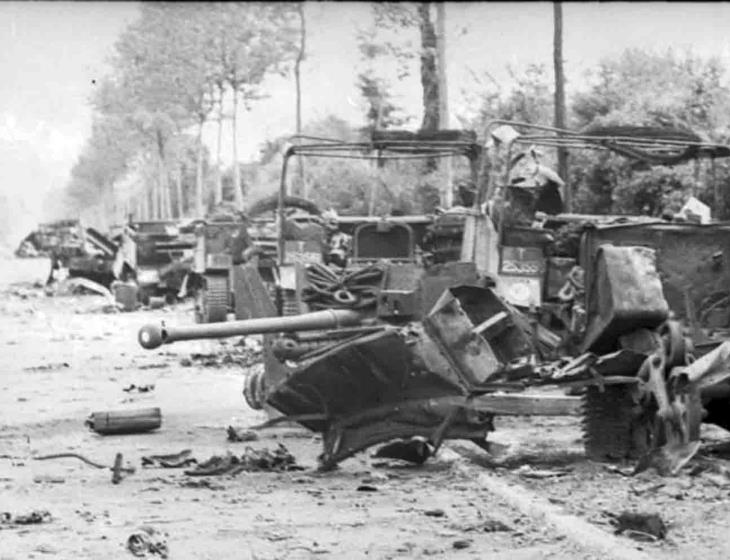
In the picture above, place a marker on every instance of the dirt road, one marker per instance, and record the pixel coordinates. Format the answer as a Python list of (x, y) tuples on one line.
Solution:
[(63, 358)]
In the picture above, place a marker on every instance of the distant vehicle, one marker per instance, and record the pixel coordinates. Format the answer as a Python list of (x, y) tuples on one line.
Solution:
[(163, 257)]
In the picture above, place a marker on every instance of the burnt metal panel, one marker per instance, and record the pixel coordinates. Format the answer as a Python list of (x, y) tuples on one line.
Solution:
[(251, 298), (383, 240), (372, 371), (690, 258), (477, 331), (626, 295)]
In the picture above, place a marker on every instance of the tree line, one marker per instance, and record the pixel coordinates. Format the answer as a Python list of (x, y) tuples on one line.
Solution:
[(174, 69), (179, 67)]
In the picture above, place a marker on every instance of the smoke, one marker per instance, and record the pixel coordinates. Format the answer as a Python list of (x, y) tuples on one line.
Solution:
[(36, 161)]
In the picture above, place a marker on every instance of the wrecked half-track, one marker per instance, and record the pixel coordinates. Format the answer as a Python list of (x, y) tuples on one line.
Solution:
[(394, 346)]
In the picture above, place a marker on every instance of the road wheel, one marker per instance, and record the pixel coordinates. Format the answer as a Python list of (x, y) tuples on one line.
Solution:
[(198, 310), (211, 302), (254, 390)]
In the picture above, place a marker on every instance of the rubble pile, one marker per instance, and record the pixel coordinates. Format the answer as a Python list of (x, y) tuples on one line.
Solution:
[(244, 354), (252, 460)]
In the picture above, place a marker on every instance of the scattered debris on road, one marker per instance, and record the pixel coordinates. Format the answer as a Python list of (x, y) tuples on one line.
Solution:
[(415, 450), (200, 483), (48, 367), (640, 526), (527, 471), (170, 461), (79, 286), (39, 479), (240, 434), (139, 388), (118, 469), (253, 460), (435, 513), (147, 540), (235, 355), (125, 421), (33, 518), (488, 526)]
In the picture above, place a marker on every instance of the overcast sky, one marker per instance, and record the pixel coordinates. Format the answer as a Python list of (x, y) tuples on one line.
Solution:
[(51, 53)]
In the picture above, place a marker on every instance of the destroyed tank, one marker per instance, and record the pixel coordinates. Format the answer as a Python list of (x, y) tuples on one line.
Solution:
[(228, 238), (436, 362), (386, 370)]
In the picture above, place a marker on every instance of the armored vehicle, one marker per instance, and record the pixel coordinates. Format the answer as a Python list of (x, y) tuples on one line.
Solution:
[(397, 347), (163, 257)]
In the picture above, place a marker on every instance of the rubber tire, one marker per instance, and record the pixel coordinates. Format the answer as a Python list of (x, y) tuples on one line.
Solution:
[(252, 389), (213, 300)]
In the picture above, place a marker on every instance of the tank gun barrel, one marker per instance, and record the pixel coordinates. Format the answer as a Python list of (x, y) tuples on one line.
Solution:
[(154, 335)]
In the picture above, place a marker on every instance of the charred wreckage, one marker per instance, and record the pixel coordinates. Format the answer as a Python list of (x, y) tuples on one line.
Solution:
[(407, 344)]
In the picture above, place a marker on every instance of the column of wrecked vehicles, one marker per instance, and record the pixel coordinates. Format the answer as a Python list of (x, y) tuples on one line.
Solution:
[(409, 330), (143, 259)]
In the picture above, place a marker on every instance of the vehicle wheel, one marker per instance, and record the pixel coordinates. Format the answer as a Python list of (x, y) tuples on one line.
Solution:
[(253, 390), (144, 294), (198, 309), (212, 301)]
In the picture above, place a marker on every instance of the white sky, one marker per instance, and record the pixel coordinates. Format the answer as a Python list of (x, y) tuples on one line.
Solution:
[(51, 52)]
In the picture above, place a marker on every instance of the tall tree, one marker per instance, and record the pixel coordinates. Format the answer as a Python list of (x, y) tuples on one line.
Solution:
[(396, 20), (258, 38), (560, 111), (656, 89), (381, 110), (298, 84), (447, 192), (429, 72), (150, 86)]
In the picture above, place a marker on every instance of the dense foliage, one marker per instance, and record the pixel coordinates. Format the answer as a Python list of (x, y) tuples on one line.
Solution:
[(180, 67)]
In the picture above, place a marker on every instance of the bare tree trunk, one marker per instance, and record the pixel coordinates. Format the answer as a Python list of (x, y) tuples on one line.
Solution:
[(298, 83), (560, 99), (179, 190), (154, 201), (429, 75), (719, 200), (162, 188), (164, 191), (696, 185), (447, 192), (218, 175), (237, 194), (199, 212), (167, 196)]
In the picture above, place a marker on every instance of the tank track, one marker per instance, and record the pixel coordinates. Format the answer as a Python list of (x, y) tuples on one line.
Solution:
[(215, 300), (615, 425)]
